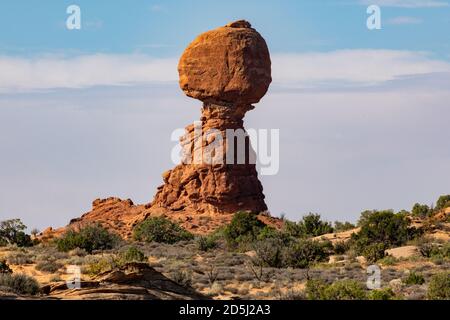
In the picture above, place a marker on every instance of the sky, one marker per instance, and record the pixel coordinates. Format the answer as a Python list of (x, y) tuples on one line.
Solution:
[(85, 114)]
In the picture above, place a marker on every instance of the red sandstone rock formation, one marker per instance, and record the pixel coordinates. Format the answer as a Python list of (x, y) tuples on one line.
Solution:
[(228, 69)]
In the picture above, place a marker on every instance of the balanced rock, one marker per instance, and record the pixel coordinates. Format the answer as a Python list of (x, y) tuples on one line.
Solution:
[(229, 64), (228, 69)]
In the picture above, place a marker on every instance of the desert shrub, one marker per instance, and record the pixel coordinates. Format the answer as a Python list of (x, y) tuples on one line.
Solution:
[(19, 283), (48, 266), (311, 225), (269, 252), (181, 277), (89, 238), (345, 290), (341, 247), (338, 290), (439, 287), (243, 228), (12, 232), (4, 267), (427, 249), (443, 202), (78, 252), (56, 278), (434, 250), (19, 258), (343, 226), (97, 265), (132, 254), (364, 217), (381, 294), (421, 210), (382, 228), (162, 230), (206, 243), (315, 289), (374, 252), (413, 278), (304, 253), (388, 261)]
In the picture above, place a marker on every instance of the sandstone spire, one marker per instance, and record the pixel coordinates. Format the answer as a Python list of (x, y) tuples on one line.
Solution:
[(228, 69)]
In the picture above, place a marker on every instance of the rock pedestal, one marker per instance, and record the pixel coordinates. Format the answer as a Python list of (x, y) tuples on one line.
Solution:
[(228, 69)]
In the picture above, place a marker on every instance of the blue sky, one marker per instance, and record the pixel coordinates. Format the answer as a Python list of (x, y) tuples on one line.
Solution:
[(163, 28), (87, 114)]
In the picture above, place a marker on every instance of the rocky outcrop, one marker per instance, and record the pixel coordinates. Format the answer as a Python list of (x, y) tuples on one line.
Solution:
[(134, 281)]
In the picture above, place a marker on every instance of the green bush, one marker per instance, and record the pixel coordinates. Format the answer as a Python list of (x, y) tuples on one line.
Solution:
[(243, 228), (421, 210), (434, 250), (12, 232), (339, 290), (206, 243), (269, 253), (341, 247), (443, 202), (132, 254), (381, 228), (413, 278), (48, 266), (381, 294), (388, 261), (4, 267), (343, 226), (315, 289), (19, 283), (162, 230), (439, 287), (311, 225), (374, 252), (304, 253), (97, 265), (89, 238), (345, 290)]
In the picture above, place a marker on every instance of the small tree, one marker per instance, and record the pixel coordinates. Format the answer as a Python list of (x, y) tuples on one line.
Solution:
[(160, 229), (343, 226), (305, 253), (421, 210), (311, 225), (269, 253), (443, 202), (383, 227), (89, 238), (243, 228), (13, 232)]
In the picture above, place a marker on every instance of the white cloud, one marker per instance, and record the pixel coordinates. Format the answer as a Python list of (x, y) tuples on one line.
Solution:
[(407, 3), (404, 20), (352, 67), (23, 74), (342, 68)]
